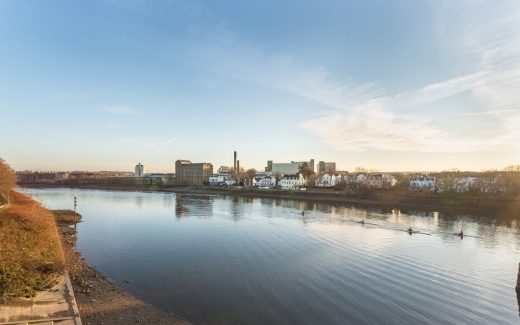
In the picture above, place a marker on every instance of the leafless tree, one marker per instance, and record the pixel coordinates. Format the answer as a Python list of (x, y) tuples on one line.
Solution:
[(251, 173), (305, 170), (512, 168)]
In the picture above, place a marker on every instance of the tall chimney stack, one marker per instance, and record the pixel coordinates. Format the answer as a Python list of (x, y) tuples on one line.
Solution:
[(238, 166), (235, 162)]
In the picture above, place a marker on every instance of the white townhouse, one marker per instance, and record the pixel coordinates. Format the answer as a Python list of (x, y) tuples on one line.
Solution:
[(465, 184), (380, 181), (355, 180), (360, 179), (327, 180), (374, 181), (255, 182), (422, 183), (230, 182), (217, 180), (267, 182), (292, 182)]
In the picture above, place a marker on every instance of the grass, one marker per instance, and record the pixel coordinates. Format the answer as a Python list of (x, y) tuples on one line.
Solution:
[(30, 251)]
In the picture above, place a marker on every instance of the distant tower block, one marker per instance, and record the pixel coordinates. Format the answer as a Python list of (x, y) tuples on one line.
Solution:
[(139, 170), (269, 167), (235, 162)]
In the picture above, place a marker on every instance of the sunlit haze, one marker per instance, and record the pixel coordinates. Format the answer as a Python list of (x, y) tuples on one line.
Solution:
[(388, 85)]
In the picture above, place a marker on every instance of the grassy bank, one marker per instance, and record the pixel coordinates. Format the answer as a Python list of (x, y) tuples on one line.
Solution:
[(30, 251)]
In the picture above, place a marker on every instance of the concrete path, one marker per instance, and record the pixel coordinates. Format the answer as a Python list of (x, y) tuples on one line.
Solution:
[(55, 306)]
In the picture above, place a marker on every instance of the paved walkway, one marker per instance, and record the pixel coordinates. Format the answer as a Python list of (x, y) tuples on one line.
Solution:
[(55, 306)]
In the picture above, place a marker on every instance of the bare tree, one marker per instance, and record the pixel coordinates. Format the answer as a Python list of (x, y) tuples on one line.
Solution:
[(363, 170), (305, 170), (251, 173), (512, 168), (311, 181)]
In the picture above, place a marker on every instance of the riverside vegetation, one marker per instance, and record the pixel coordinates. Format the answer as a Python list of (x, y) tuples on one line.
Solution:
[(30, 252)]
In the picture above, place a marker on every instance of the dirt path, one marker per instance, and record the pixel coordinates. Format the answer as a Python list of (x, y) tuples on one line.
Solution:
[(99, 300)]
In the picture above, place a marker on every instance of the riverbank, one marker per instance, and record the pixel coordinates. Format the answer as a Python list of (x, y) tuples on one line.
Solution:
[(100, 301), (448, 201)]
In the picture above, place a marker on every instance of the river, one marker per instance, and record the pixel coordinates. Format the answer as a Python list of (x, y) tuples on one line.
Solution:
[(230, 260)]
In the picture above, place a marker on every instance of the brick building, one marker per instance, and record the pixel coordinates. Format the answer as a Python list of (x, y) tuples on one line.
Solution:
[(188, 173)]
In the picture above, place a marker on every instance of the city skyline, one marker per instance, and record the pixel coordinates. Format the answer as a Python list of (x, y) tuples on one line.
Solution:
[(398, 86)]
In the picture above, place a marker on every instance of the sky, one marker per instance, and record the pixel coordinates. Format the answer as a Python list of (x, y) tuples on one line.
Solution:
[(390, 85)]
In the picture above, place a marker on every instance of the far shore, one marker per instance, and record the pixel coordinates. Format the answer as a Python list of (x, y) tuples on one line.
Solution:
[(481, 203)]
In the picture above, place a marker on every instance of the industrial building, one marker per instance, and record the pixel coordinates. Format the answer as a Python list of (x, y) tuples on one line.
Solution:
[(139, 170), (188, 173), (326, 168), (291, 168)]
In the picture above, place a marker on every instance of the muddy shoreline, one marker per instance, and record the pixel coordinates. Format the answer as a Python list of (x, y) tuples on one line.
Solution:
[(100, 301)]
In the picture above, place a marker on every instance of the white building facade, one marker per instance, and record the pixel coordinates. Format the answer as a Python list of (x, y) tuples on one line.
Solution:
[(380, 181), (422, 183), (293, 182), (230, 182), (217, 180), (327, 180), (267, 182), (465, 184)]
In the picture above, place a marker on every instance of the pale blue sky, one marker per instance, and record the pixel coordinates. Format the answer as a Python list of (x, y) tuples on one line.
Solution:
[(391, 85)]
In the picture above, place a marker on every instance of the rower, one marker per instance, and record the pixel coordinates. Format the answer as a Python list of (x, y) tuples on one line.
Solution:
[(461, 233), (410, 229), (303, 213), (362, 222)]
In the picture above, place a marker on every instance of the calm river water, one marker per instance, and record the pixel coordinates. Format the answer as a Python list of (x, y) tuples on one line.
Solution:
[(229, 260)]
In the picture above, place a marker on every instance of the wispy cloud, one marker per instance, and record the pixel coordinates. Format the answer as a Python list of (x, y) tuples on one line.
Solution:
[(494, 112), (375, 123), (364, 115), (384, 130), (122, 110)]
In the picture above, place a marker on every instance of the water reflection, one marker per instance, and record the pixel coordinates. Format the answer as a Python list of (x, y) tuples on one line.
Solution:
[(139, 201), (446, 223), (200, 206), (495, 229)]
